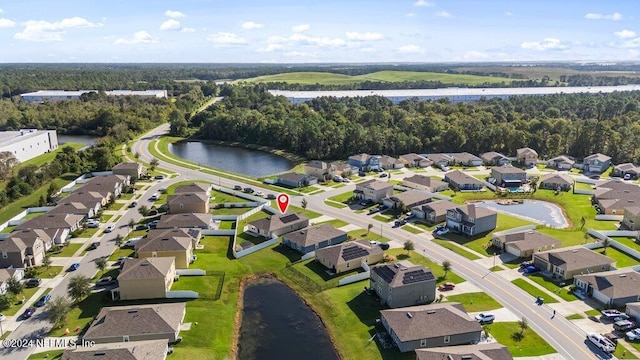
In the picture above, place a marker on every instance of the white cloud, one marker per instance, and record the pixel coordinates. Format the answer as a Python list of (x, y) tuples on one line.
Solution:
[(595, 16), (170, 24), (140, 37), (546, 44), (368, 36), (443, 14), (508, 13), (300, 28), (424, 3), (301, 39), (250, 25), (475, 55), (300, 54), (188, 29), (410, 15), (1, 11), (6, 23), (226, 39), (625, 34), (409, 49), (632, 43), (271, 48), (174, 14), (40, 30)]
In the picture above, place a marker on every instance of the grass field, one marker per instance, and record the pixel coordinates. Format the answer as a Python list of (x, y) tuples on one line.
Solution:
[(532, 290), (456, 249), (531, 344), (68, 250), (474, 302), (562, 292)]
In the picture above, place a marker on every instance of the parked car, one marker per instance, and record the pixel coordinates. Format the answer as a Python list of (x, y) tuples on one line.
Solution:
[(133, 204), (121, 260), (611, 313), (110, 228), (612, 337), (248, 190), (132, 242), (400, 222), (94, 245), (532, 269), (624, 325), (92, 223), (155, 197), (33, 282), (28, 313), (362, 173), (601, 342), (260, 193), (443, 231), (525, 264), (447, 286), (154, 224), (338, 178), (381, 245), (142, 227), (2, 318), (346, 180), (384, 175), (439, 227), (622, 317), (73, 267), (271, 196), (627, 177), (410, 214), (237, 187), (633, 335), (43, 300), (485, 318), (159, 177), (104, 281)]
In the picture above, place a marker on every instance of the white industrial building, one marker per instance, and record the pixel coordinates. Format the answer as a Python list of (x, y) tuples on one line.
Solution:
[(57, 95), (453, 94), (28, 143)]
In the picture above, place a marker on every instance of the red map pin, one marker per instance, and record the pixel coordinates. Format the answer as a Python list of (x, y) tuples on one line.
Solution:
[(283, 202)]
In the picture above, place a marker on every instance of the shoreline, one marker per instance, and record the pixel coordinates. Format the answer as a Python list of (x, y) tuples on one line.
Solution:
[(297, 159), (563, 210), (523, 217)]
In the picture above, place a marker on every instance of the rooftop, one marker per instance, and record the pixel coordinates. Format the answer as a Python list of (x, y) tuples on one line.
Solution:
[(530, 239), (275, 222), (485, 351), (313, 234), (424, 181), (135, 350), (147, 268), (614, 284), (347, 251), (574, 259), (403, 273)]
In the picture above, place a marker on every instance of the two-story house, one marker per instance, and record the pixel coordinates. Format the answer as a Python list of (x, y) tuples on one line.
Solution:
[(596, 163), (146, 278), (373, 190), (403, 284), (188, 203), (631, 217), (131, 169), (24, 248), (471, 220), (59, 224), (320, 169), (508, 176), (365, 162), (565, 263), (176, 243), (527, 156), (434, 212)]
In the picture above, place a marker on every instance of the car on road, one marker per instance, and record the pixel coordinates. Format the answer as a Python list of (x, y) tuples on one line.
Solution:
[(133, 204), (74, 267), (384, 175), (443, 231), (248, 190), (611, 313), (110, 228), (237, 187), (2, 317), (485, 318), (43, 300), (271, 196), (159, 177), (28, 313), (155, 197), (260, 193), (94, 245), (531, 269), (447, 286), (142, 227), (624, 325), (601, 342), (104, 281), (381, 245), (32, 282), (399, 222), (633, 335)]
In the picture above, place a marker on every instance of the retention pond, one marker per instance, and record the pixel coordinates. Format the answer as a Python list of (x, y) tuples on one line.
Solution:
[(540, 212)]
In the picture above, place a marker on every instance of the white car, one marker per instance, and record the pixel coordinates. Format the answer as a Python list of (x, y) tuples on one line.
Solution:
[(2, 318), (110, 228), (93, 223), (485, 318), (633, 335), (601, 342), (442, 231), (155, 197), (260, 193)]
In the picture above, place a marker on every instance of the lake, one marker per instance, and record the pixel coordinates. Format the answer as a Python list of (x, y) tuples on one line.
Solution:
[(239, 160), (277, 324), (540, 212), (82, 139)]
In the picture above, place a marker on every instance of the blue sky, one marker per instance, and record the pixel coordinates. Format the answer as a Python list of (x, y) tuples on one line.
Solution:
[(299, 31)]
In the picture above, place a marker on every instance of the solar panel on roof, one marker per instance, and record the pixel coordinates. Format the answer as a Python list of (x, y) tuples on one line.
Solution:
[(289, 218), (353, 252), (417, 276), (385, 273)]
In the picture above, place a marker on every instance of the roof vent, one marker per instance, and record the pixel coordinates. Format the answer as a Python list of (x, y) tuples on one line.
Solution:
[(431, 311), (409, 315), (132, 311), (623, 275), (574, 250), (99, 354), (466, 357)]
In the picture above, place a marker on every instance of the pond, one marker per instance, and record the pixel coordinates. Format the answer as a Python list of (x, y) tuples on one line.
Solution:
[(82, 139), (243, 161), (540, 212), (277, 324)]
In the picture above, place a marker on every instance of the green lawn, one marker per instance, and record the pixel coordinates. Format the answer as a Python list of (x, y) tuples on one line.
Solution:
[(121, 252), (369, 235), (574, 317), (335, 204), (89, 232), (68, 250), (630, 242), (48, 273), (27, 293), (116, 206), (622, 259), (412, 229), (622, 352), (342, 198), (16, 207), (382, 218), (227, 225), (474, 302), (533, 291), (337, 223), (230, 211), (531, 343), (593, 312), (418, 259), (480, 243), (47, 355), (127, 196), (457, 249), (83, 313), (310, 214), (562, 292), (105, 218), (317, 273), (48, 157), (206, 286)]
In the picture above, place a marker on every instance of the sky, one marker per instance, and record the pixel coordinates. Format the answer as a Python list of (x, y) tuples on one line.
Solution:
[(326, 31)]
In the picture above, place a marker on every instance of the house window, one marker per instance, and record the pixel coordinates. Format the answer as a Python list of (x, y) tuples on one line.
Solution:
[(125, 338), (348, 265), (604, 267), (423, 342), (447, 339), (154, 254)]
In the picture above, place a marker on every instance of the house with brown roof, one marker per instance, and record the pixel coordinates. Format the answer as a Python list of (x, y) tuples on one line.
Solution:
[(471, 220), (107, 184), (527, 156), (403, 284), (189, 220), (562, 162), (349, 255), (196, 187), (626, 169), (466, 159), (508, 176), (176, 243), (389, 162), (523, 244), (24, 248), (313, 237), (133, 350), (343, 169), (365, 162), (434, 212), (614, 196), (90, 199), (441, 159), (557, 181), (64, 223), (373, 190), (131, 169), (78, 208), (493, 158), (188, 203), (406, 200), (566, 263), (278, 224), (631, 217), (431, 326), (296, 180), (415, 160), (484, 351), (425, 183), (137, 323), (596, 163), (145, 278), (320, 169), (611, 288), (6, 275), (462, 182)]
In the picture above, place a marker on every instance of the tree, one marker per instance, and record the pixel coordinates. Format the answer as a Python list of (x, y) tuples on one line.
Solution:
[(143, 210), (119, 240), (583, 221), (42, 201), (7, 300), (523, 324), (178, 124), (57, 310), (136, 155), (369, 227), (15, 286), (153, 164), (7, 162), (78, 287), (101, 264), (30, 272), (304, 203), (408, 246), (51, 191), (446, 267), (605, 245), (46, 261), (132, 223)]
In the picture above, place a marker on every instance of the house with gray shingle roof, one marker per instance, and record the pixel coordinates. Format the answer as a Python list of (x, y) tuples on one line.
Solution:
[(523, 244), (78, 208), (407, 199), (132, 169), (313, 238), (434, 212), (176, 243), (25, 248), (558, 181), (373, 190), (466, 159), (425, 183), (611, 288), (59, 224), (614, 196), (6, 275), (527, 156), (389, 162), (415, 160), (631, 217), (196, 187), (189, 220), (320, 169), (349, 255), (135, 350), (403, 284), (471, 220), (145, 278), (431, 326), (441, 159), (494, 158), (596, 163), (508, 176), (484, 351), (566, 263), (626, 169), (188, 203), (460, 181), (278, 224), (296, 180), (562, 162)]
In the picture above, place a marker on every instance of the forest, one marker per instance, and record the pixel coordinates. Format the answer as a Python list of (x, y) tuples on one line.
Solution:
[(330, 128)]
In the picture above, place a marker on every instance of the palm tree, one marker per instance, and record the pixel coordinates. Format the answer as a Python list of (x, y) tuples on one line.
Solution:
[(369, 227), (57, 310), (119, 239), (304, 203), (47, 261), (446, 266), (523, 324), (153, 164), (101, 264), (143, 210), (408, 245), (78, 287)]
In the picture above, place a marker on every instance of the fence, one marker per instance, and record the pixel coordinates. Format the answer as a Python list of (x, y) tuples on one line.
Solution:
[(254, 248), (583, 192), (603, 217), (586, 180), (182, 294), (228, 232), (620, 233), (241, 204), (602, 235), (307, 256), (190, 272), (354, 278), (18, 219), (514, 230), (224, 217)]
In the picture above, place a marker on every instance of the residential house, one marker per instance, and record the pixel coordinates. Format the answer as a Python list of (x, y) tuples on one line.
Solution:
[(611, 288), (296, 180), (6, 275), (189, 220), (365, 162), (24, 248), (276, 225), (373, 190), (524, 244), (440, 159), (631, 217), (349, 255), (388, 162), (320, 169), (483, 351), (415, 160), (77, 208), (471, 220), (460, 181), (406, 200), (614, 196), (633, 310), (403, 284), (136, 350), (425, 183), (508, 176), (313, 238), (562, 162), (188, 203), (145, 278), (596, 163), (131, 169), (194, 188), (137, 323), (626, 169), (564, 264), (527, 156), (434, 212), (431, 326), (107, 184), (493, 158), (194, 233), (175, 243), (65, 223), (558, 181), (466, 159), (90, 199), (343, 169)]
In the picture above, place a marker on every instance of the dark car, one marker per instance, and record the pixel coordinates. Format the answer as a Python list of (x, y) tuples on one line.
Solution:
[(237, 187), (248, 190), (271, 196), (525, 264), (133, 204), (531, 269), (159, 177), (43, 300), (142, 227), (33, 282), (74, 267), (28, 313), (94, 245)]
